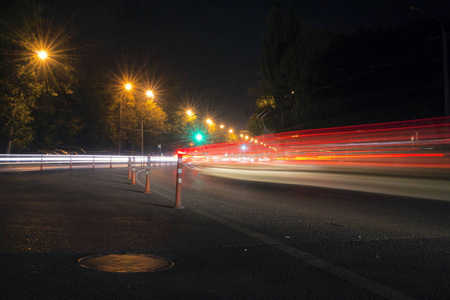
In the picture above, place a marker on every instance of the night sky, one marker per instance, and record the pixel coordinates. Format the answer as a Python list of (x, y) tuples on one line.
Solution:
[(207, 52)]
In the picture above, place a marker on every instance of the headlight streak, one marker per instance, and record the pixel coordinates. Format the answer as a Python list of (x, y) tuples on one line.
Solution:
[(30, 159)]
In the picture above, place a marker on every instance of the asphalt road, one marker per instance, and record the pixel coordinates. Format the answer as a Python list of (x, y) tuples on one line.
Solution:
[(400, 242), (235, 239)]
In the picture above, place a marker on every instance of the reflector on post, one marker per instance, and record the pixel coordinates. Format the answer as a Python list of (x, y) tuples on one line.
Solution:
[(178, 182)]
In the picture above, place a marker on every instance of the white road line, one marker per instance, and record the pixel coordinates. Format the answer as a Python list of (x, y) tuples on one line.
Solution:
[(349, 276)]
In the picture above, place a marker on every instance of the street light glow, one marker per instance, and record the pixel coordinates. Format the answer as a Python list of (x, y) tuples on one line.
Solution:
[(230, 131), (189, 112), (209, 121), (150, 94), (128, 86), (42, 54)]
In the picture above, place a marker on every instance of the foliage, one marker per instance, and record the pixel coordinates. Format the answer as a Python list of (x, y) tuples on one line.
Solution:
[(19, 94), (32, 90), (57, 102), (318, 78)]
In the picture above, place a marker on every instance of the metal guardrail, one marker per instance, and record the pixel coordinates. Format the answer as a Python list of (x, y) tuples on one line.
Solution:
[(30, 162), (51, 159)]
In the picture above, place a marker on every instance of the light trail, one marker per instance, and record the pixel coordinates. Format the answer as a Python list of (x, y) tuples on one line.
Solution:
[(414, 143), (51, 159)]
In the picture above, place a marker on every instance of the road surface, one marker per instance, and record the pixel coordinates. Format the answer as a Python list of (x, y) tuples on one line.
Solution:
[(235, 240), (383, 228)]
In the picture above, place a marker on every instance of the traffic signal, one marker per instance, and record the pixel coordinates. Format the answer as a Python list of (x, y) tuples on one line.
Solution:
[(199, 137)]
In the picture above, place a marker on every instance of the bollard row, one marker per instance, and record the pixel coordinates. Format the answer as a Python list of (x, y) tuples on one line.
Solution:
[(132, 176)]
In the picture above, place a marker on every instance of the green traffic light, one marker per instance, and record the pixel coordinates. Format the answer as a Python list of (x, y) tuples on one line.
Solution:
[(199, 137)]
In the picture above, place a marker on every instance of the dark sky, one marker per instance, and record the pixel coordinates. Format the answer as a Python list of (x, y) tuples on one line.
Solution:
[(208, 51)]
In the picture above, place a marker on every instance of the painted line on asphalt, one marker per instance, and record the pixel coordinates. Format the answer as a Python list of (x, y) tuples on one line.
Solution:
[(349, 276)]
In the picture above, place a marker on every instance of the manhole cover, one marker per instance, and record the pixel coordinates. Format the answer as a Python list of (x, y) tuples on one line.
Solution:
[(125, 263)]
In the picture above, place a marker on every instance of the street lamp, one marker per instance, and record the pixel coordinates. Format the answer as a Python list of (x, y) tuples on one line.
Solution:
[(42, 54), (445, 54), (128, 87), (150, 95)]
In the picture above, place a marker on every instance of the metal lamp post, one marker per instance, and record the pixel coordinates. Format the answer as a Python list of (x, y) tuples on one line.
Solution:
[(445, 62), (150, 95), (128, 87)]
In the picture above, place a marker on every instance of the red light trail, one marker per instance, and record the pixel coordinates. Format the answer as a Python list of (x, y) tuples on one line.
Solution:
[(414, 143)]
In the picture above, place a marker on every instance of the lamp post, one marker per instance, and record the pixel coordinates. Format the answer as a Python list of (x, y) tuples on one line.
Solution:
[(445, 61), (150, 95), (128, 86)]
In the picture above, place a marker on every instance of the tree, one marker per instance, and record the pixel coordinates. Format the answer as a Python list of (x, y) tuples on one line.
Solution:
[(18, 95), (137, 111), (258, 124), (29, 83), (318, 78), (283, 30), (305, 74)]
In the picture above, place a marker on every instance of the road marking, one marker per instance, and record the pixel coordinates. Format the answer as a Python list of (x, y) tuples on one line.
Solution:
[(349, 276)]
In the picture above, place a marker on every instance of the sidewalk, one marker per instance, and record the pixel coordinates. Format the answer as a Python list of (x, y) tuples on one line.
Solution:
[(50, 220)]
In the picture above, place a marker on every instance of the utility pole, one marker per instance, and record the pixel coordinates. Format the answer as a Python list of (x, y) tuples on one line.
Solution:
[(445, 60)]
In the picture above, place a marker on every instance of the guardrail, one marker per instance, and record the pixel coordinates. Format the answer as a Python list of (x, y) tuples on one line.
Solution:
[(37, 161), (13, 160)]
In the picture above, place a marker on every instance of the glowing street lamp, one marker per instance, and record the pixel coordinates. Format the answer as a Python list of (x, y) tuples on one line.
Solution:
[(42, 54), (230, 131), (190, 113), (150, 94), (128, 86), (209, 121)]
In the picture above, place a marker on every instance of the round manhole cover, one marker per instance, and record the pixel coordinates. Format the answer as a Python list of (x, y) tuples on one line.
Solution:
[(125, 263)]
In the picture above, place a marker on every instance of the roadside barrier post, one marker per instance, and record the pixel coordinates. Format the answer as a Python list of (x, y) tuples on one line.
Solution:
[(42, 162), (147, 177), (70, 162), (110, 162), (93, 162), (129, 167), (133, 172), (178, 183)]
